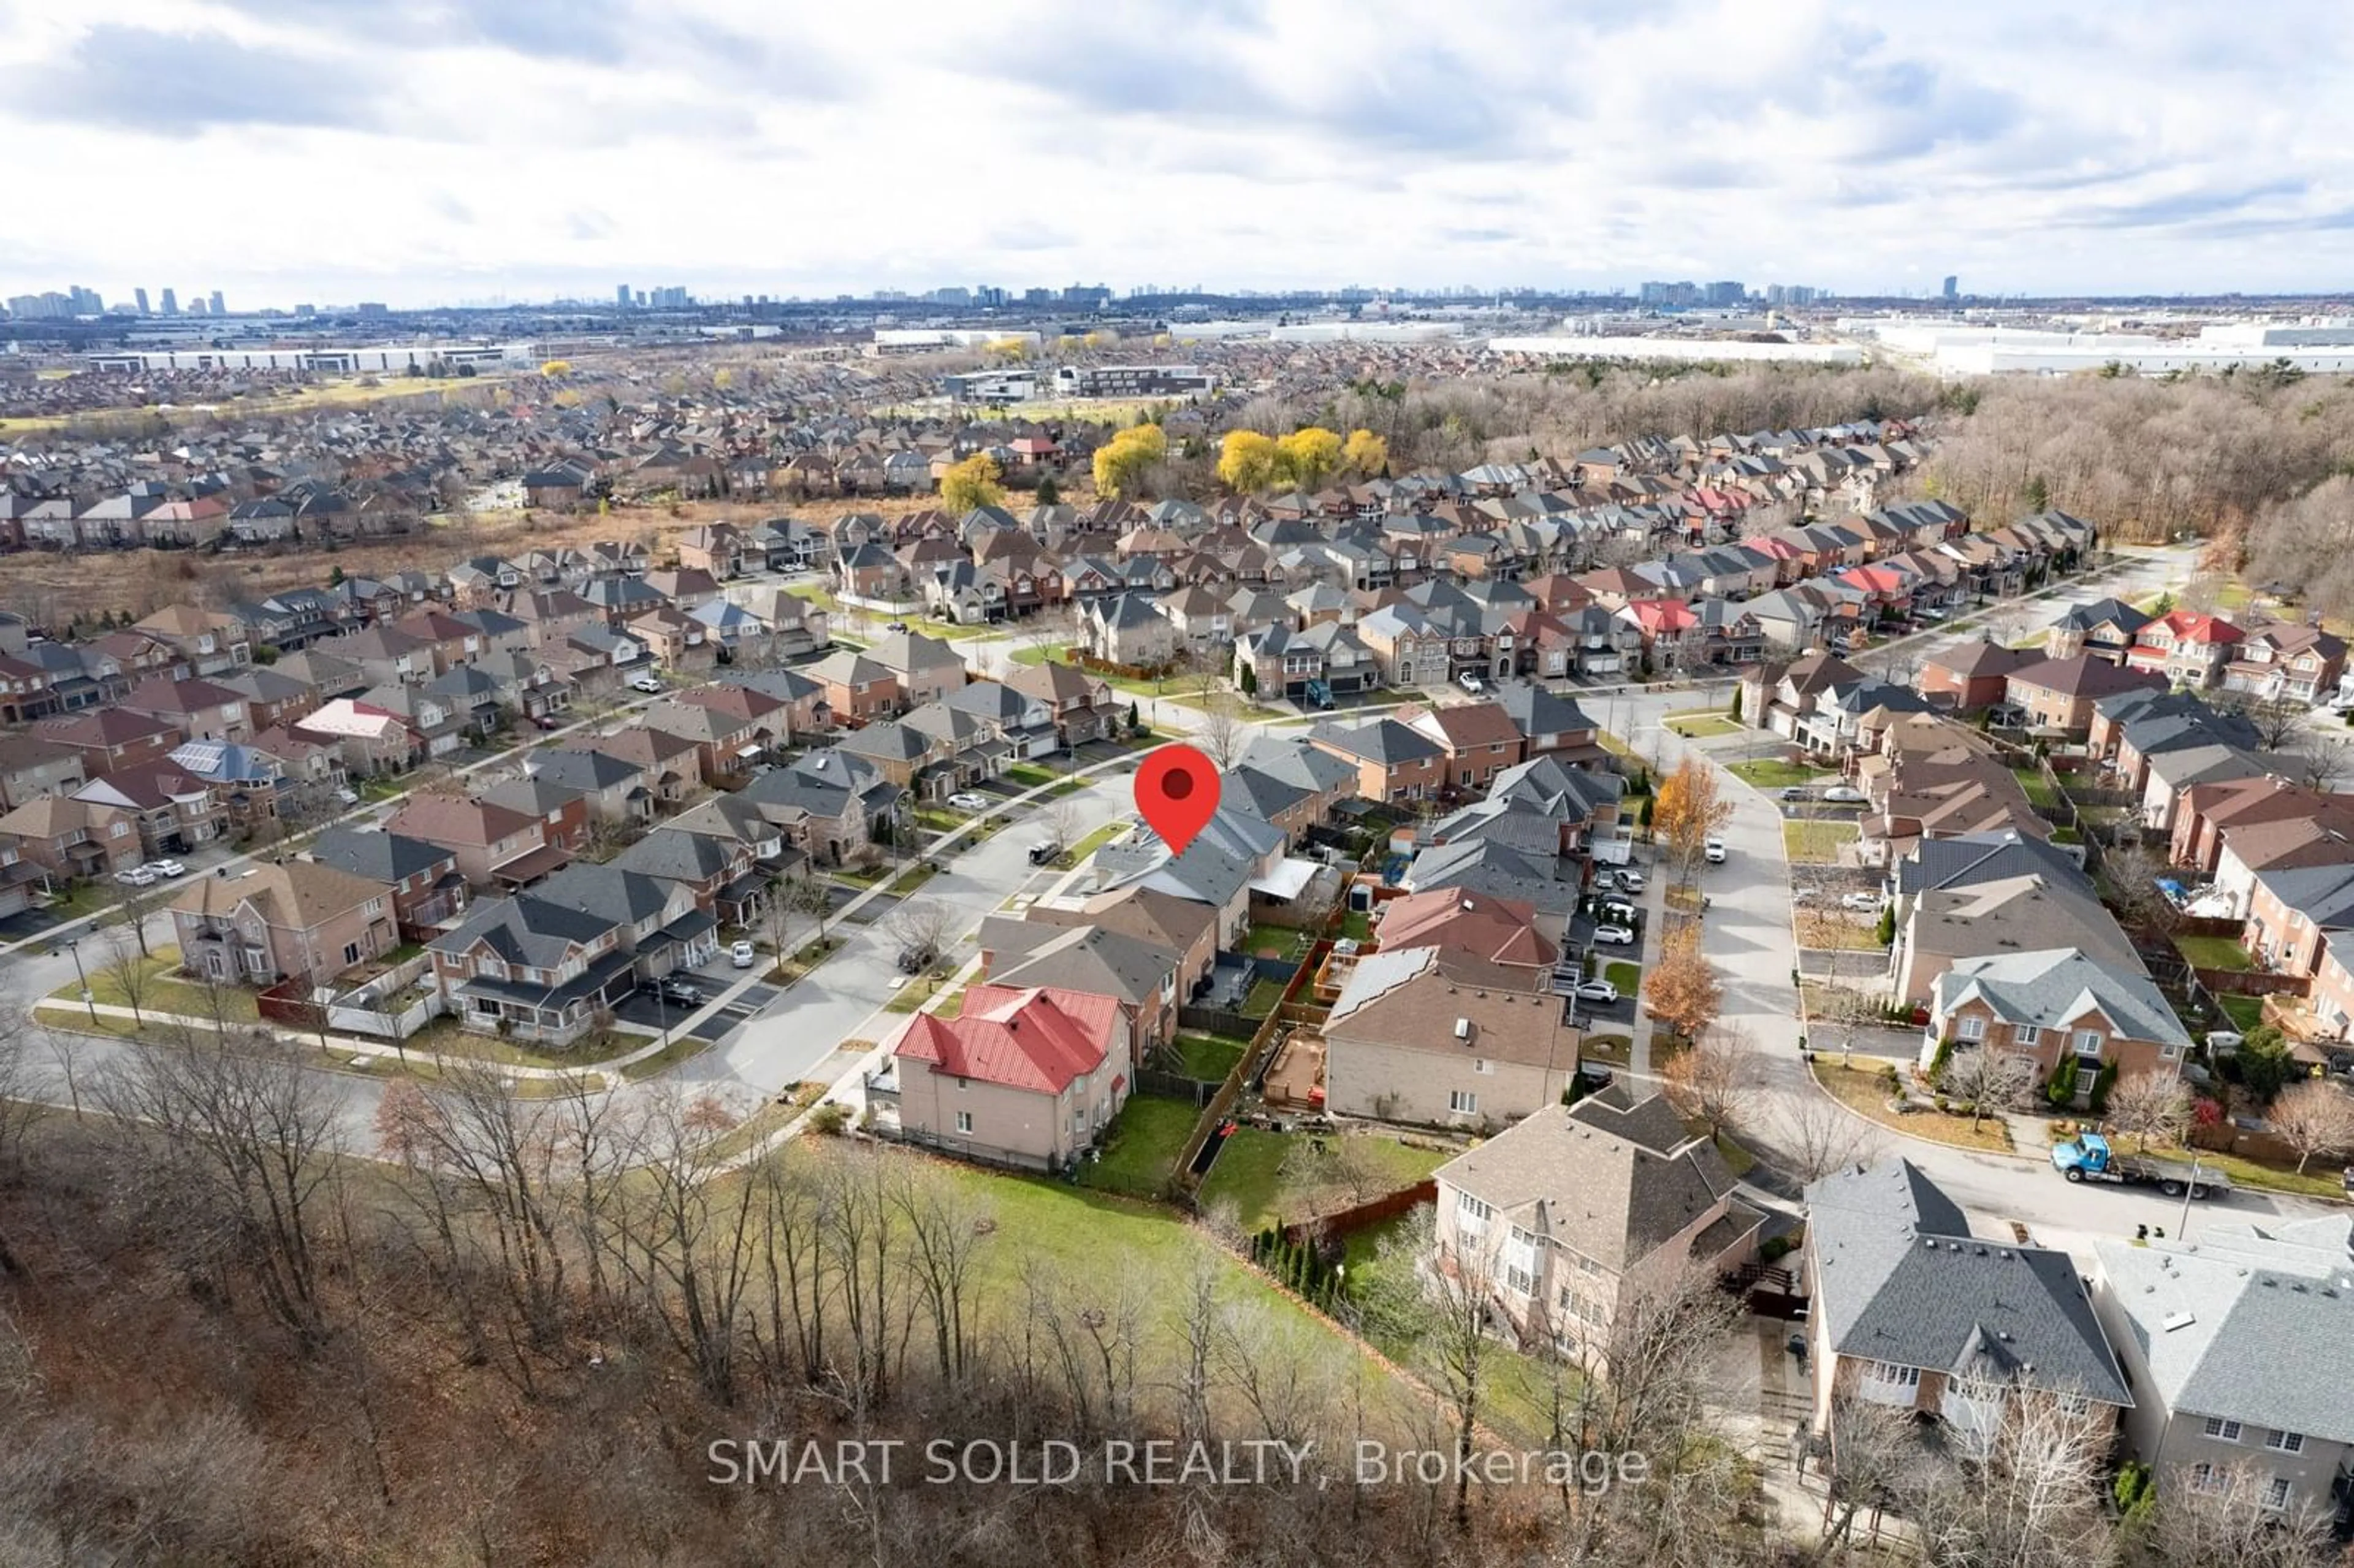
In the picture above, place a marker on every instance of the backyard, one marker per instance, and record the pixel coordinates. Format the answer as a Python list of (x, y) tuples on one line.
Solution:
[(1274, 942), (2039, 789), (1817, 843), (1208, 1058), (1141, 1152), (2215, 953), (1277, 1178)]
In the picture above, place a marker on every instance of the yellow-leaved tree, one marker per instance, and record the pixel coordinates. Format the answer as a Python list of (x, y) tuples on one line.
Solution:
[(555, 367), (1308, 456), (1120, 463), (1246, 461), (1366, 453), (972, 483), (1688, 811), (1682, 988), (1008, 348), (723, 378)]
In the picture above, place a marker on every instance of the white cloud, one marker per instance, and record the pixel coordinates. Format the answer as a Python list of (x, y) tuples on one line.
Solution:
[(393, 149)]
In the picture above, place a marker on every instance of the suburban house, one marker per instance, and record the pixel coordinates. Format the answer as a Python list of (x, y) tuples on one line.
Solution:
[(1027, 1077), (858, 690), (34, 766), (293, 921), (1500, 931), (2280, 661), (71, 838), (199, 708), (1083, 705), (924, 669), (1420, 1036), (1394, 762), (1478, 740), (1779, 697), (618, 789), (1164, 920), (177, 809), (427, 889), (493, 844), (2057, 696), (2058, 1000), (1976, 894), (1577, 1213), (1126, 629), (2106, 629), (1911, 1310), (827, 803), (2185, 647), (527, 967), (1972, 676), (1139, 975), (2240, 1350)]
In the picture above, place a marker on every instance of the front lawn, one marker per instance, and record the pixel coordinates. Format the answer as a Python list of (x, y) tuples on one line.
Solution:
[(1772, 774), (1817, 843), (1096, 840), (1705, 726), (1275, 1178), (1627, 976), (2324, 1182), (1868, 1094), (2215, 953), (157, 993), (1141, 1152)]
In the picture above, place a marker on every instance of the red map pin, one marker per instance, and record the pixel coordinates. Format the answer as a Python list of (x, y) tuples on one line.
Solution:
[(1177, 791)]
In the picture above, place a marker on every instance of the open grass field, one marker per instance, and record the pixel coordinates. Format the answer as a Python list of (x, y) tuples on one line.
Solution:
[(1771, 774)]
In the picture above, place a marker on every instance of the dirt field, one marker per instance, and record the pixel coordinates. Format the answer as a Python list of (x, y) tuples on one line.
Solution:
[(51, 590), (327, 393)]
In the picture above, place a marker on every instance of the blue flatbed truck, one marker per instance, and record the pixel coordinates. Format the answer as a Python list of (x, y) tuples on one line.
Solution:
[(2092, 1158)]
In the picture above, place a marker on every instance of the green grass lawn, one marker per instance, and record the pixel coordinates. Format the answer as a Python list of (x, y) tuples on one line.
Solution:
[(1273, 942), (1703, 728), (2321, 1178), (2039, 788), (1628, 978), (1774, 774), (1265, 996), (2215, 953), (1096, 840), (2245, 1013), (662, 1061), (1817, 843), (1208, 1058), (1251, 1174), (155, 994), (1142, 1154), (1357, 926), (1610, 1049)]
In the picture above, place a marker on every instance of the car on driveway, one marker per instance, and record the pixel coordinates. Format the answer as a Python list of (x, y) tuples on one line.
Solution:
[(1614, 936), (1846, 795), (681, 994), (1794, 791), (1471, 682), (966, 801), (1862, 902), (1714, 850), (167, 868), (741, 955), (137, 876), (1597, 991), (1632, 881), (645, 684)]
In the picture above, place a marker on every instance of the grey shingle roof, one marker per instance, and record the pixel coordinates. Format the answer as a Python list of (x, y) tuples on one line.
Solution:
[(385, 857), (2051, 987), (1900, 1279)]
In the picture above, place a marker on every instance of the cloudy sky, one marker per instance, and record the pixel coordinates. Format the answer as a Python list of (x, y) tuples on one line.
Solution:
[(417, 150)]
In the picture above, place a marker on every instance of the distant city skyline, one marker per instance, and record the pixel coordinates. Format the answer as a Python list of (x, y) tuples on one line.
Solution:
[(414, 153)]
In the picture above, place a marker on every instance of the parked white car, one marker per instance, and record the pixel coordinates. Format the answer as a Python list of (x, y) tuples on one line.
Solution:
[(167, 868), (1862, 902), (645, 684), (741, 955), (966, 801), (1597, 991), (1614, 936), (1471, 682), (137, 876), (1846, 795), (1714, 850)]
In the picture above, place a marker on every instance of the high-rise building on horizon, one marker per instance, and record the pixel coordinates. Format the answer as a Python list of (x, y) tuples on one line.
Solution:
[(218, 309), (1953, 287), (139, 296), (621, 296), (171, 304)]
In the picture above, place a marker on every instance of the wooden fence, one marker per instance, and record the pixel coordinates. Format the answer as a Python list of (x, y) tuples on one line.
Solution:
[(2253, 982), (1348, 1221), (1288, 1013)]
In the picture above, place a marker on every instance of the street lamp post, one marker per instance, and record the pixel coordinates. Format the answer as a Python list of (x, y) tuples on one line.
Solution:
[(73, 944)]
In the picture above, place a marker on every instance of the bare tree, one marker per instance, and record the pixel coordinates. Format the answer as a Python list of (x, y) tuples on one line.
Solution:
[(680, 1236), (1988, 1081), (126, 966), (2229, 1520), (1715, 1082), (2277, 720), (2133, 876), (1441, 1301), (2150, 1104), (1820, 1136), (919, 928), (1061, 818), (1836, 1013), (1222, 735), (129, 913), (1874, 1447), (2323, 762), (2315, 1117), (248, 1171), (2021, 1486)]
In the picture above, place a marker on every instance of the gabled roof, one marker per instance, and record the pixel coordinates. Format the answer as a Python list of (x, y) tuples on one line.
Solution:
[(1900, 1279), (1033, 1039), (380, 856), (2053, 988), (297, 894)]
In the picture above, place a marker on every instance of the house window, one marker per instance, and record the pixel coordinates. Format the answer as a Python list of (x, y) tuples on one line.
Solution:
[(351, 954), (1472, 1214), (2286, 1442), (1895, 1377), (2202, 1477), (2276, 1492), (964, 1121), (1462, 1102), (2223, 1431), (2088, 1043), (1483, 1066), (1970, 1028), (1519, 1280), (2026, 1035)]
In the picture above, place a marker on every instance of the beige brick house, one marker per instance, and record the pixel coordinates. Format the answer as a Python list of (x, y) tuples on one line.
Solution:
[(295, 920), (1028, 1077), (1440, 1040)]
